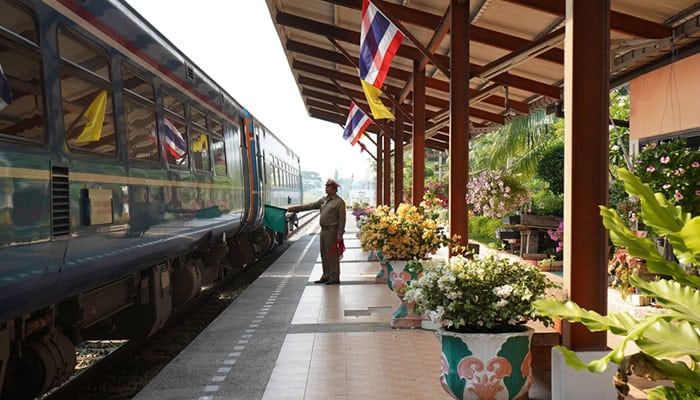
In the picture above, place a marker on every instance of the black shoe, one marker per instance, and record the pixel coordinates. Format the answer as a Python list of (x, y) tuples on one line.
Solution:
[(333, 283), (321, 281)]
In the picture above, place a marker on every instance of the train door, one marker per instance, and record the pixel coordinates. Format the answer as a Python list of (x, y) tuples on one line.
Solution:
[(254, 197)]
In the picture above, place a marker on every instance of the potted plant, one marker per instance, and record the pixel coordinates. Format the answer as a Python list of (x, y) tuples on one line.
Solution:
[(405, 237), (669, 341), (482, 304)]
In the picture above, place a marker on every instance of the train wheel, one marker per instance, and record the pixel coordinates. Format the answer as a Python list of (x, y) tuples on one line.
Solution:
[(40, 366)]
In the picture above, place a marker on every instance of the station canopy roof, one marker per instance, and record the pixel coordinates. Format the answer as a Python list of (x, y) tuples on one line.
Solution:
[(516, 54)]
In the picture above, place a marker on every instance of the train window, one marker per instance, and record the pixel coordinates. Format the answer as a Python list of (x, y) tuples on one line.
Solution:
[(18, 21), (84, 54), (21, 92), (200, 140), (175, 135), (135, 84), (174, 104), (218, 149), (140, 116), (88, 115)]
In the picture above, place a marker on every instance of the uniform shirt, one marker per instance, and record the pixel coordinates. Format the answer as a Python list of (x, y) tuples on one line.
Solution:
[(332, 212)]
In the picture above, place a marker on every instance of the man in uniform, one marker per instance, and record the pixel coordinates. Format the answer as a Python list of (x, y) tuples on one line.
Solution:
[(332, 223)]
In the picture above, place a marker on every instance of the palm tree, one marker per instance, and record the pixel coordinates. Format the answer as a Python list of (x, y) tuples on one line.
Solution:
[(516, 147)]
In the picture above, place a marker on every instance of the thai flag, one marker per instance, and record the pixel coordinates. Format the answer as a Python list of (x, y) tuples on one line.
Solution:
[(356, 124), (174, 142), (379, 40), (5, 90)]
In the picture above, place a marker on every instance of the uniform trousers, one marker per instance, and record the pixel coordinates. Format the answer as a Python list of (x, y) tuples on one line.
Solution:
[(331, 262)]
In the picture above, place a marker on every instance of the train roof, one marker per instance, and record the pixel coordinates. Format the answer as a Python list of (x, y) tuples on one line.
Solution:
[(116, 22)]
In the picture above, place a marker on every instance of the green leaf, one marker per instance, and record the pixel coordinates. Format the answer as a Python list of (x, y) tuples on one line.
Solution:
[(679, 371), (618, 323), (670, 339), (690, 237), (657, 212), (684, 300), (621, 235)]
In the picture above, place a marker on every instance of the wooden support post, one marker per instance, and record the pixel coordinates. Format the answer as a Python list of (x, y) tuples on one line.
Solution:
[(387, 166), (586, 102), (459, 119), (418, 172), (380, 168), (398, 159)]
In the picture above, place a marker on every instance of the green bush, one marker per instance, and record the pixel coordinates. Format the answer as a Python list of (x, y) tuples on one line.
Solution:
[(483, 229), (544, 202), (551, 168)]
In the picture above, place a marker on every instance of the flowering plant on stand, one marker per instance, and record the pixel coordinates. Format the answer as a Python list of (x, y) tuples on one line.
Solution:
[(407, 233), (672, 169), (494, 195), (479, 294), (360, 211)]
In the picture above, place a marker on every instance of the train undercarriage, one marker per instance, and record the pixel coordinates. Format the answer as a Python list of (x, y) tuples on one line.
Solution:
[(37, 349)]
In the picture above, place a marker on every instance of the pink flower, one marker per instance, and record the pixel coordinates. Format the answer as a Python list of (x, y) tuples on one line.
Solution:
[(678, 195), (651, 168), (695, 164), (666, 186), (697, 192), (665, 159)]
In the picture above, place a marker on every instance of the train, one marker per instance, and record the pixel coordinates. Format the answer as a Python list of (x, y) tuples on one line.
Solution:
[(129, 180)]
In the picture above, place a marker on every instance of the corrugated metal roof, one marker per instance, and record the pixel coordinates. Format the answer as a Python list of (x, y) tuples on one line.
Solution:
[(521, 40)]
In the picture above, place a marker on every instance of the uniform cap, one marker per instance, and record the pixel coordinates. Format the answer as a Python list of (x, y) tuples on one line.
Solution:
[(331, 182)]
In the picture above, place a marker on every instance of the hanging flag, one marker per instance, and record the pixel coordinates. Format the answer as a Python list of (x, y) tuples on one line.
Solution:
[(5, 90), (174, 142), (201, 144), (356, 124), (95, 115), (379, 40), (379, 110)]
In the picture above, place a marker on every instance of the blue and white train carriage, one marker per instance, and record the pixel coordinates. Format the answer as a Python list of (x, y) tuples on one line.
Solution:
[(128, 179)]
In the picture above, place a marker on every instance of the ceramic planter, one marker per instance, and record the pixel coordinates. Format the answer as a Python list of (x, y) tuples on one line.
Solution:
[(494, 366), (399, 275)]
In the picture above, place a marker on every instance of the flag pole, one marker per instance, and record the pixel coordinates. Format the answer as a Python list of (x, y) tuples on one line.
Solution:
[(391, 98), (364, 110)]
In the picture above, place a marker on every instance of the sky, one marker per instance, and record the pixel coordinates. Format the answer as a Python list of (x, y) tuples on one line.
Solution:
[(236, 44)]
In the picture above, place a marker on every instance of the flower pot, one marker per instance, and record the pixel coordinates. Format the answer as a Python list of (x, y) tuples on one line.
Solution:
[(486, 365), (381, 276), (400, 273)]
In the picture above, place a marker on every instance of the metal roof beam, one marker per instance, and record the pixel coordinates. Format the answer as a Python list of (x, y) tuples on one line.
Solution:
[(404, 51), (476, 34), (433, 83), (626, 23)]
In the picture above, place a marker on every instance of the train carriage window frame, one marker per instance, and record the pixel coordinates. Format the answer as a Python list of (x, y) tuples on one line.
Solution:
[(199, 133), (218, 148), (174, 115), (23, 104), (88, 115), (143, 142)]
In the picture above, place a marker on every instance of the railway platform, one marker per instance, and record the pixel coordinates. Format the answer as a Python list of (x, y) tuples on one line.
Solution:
[(285, 337)]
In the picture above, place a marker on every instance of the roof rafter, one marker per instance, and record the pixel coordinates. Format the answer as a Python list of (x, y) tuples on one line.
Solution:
[(626, 23)]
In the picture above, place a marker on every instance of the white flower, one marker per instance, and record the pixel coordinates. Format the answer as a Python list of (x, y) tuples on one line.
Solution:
[(501, 303), (503, 291)]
